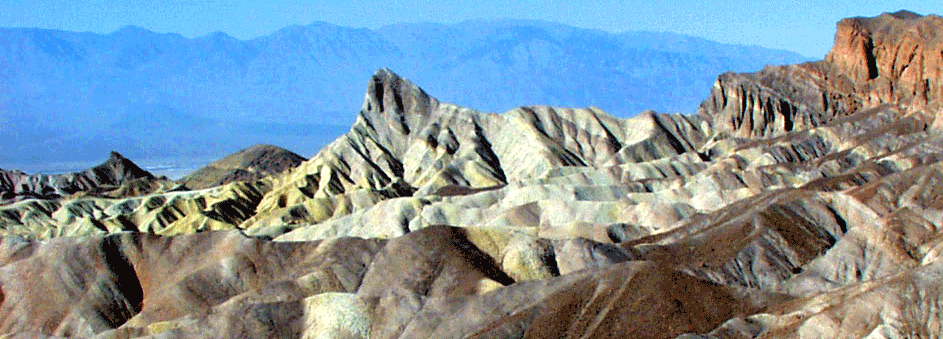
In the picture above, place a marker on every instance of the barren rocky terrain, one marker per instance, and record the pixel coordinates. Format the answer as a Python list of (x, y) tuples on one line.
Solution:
[(801, 201)]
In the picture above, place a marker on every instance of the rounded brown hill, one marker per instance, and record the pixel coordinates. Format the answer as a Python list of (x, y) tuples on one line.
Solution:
[(249, 164)]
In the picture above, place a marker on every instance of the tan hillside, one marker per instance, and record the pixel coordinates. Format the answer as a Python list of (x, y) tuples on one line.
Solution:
[(249, 164)]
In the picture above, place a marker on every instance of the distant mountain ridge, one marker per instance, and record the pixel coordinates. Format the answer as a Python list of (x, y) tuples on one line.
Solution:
[(72, 96)]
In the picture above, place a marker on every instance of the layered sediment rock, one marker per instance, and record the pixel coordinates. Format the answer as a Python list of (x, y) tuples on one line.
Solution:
[(802, 201)]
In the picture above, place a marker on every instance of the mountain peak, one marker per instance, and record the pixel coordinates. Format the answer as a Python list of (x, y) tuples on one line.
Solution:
[(217, 35), (905, 15), (115, 156), (107, 177), (131, 30), (389, 93), (249, 164), (120, 168)]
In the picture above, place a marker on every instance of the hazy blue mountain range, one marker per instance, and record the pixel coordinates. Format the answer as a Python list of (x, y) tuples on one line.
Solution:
[(74, 96)]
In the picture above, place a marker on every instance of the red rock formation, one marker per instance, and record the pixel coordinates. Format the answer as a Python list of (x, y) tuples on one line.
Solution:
[(890, 59)]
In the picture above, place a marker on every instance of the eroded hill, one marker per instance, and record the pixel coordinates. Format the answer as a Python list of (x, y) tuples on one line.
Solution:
[(801, 201), (250, 164)]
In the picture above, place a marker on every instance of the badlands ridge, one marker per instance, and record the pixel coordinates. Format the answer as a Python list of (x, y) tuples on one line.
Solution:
[(800, 201)]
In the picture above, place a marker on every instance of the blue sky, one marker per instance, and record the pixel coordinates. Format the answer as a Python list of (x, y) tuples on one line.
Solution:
[(806, 27)]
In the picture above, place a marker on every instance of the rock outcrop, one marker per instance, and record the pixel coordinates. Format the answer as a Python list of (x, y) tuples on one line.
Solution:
[(802, 201), (890, 59), (893, 58), (250, 164)]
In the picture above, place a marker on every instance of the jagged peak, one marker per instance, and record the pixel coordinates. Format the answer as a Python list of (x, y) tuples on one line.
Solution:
[(389, 93), (386, 73), (388, 76), (114, 160), (120, 164), (115, 156)]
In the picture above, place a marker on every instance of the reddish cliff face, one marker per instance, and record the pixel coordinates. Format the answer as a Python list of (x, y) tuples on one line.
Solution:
[(892, 58), (889, 59)]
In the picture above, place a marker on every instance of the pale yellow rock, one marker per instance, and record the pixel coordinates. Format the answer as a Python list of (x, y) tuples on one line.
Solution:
[(522, 255), (161, 327), (336, 315)]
